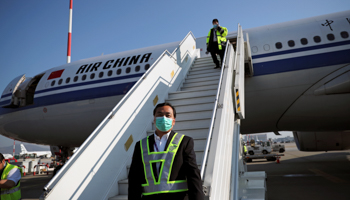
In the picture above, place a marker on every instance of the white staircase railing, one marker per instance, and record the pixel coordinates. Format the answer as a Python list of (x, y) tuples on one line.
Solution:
[(217, 165), (94, 170)]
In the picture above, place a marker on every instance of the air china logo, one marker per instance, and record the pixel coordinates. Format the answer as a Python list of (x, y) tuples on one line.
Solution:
[(131, 60)]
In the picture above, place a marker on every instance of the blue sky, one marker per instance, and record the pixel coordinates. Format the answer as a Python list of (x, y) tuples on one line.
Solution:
[(33, 34)]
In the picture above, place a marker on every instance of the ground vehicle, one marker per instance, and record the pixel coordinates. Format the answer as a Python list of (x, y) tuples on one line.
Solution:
[(278, 148), (264, 148)]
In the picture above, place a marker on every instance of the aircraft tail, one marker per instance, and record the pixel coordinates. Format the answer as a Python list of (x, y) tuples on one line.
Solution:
[(23, 149)]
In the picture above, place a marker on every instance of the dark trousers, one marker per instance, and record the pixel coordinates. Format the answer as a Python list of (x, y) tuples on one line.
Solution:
[(214, 49)]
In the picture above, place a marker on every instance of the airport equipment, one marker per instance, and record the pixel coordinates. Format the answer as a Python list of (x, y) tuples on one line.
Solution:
[(263, 148), (268, 157), (209, 104), (278, 148)]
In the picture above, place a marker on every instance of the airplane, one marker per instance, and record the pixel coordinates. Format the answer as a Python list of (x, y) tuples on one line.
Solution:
[(300, 83), (7, 156), (37, 153)]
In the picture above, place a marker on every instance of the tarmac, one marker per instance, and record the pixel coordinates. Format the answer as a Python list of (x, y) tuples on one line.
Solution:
[(306, 175), (299, 175)]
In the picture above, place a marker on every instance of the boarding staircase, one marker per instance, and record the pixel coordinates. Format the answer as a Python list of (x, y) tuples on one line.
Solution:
[(209, 104), (194, 104)]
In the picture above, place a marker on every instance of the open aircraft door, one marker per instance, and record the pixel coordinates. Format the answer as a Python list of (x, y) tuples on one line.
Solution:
[(8, 98)]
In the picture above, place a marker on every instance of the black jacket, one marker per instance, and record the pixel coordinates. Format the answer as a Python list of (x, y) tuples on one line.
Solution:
[(184, 167)]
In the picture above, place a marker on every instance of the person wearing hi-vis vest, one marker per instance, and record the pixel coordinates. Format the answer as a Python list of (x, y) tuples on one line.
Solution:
[(10, 180), (216, 42), (164, 164)]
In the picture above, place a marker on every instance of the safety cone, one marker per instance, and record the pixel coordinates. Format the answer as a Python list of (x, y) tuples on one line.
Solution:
[(24, 173), (33, 173), (278, 160)]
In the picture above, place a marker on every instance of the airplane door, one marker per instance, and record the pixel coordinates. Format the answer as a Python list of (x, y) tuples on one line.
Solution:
[(7, 98)]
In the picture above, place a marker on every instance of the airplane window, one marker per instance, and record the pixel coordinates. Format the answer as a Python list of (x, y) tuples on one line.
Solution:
[(92, 76), (110, 72), (137, 68), (128, 70), (303, 41), (119, 71), (67, 80), (344, 34), (76, 78), (53, 83), (291, 43), (83, 77), (317, 39), (278, 45), (147, 67), (60, 81), (100, 74), (330, 37)]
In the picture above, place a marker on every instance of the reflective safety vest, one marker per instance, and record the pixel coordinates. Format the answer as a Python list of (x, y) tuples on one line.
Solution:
[(221, 38), (245, 149), (12, 193), (163, 184)]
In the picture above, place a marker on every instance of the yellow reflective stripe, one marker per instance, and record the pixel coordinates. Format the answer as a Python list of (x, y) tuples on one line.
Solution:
[(168, 191), (172, 160), (161, 170), (143, 163)]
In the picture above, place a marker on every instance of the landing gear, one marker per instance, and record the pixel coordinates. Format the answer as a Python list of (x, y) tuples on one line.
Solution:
[(62, 153)]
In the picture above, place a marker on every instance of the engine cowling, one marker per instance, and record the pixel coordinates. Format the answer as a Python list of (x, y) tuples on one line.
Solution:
[(322, 141)]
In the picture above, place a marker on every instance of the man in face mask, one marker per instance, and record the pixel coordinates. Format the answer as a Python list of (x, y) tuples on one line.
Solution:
[(216, 42), (164, 163)]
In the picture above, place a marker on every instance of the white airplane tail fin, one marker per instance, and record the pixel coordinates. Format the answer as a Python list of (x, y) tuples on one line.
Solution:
[(23, 149)]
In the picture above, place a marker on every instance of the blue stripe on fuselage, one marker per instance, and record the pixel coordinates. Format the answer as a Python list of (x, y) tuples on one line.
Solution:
[(302, 62), (78, 95), (322, 46)]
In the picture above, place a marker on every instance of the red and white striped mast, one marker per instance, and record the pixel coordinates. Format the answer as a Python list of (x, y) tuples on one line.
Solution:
[(70, 30)]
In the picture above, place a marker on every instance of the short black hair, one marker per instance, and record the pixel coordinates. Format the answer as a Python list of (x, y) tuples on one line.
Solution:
[(1, 157), (215, 20), (162, 105)]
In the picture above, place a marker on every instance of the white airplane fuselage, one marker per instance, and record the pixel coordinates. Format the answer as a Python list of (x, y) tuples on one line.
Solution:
[(299, 84)]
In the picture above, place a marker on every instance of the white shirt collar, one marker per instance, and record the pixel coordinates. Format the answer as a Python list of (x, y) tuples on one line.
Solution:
[(156, 137)]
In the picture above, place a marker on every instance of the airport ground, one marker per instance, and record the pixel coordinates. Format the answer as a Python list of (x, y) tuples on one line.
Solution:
[(307, 175), (299, 175)]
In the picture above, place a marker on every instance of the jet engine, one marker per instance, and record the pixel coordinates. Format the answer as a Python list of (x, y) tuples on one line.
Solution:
[(322, 141)]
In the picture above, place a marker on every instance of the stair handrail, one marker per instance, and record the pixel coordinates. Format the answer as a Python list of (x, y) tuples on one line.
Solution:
[(188, 34), (211, 128)]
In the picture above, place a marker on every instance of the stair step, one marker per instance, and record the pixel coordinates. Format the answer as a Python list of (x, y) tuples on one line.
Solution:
[(204, 71), (189, 94), (201, 83), (203, 75), (192, 100), (195, 107), (204, 87), (199, 68), (201, 79)]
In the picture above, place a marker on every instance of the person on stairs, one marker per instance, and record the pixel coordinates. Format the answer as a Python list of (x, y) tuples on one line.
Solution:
[(164, 164), (216, 42)]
